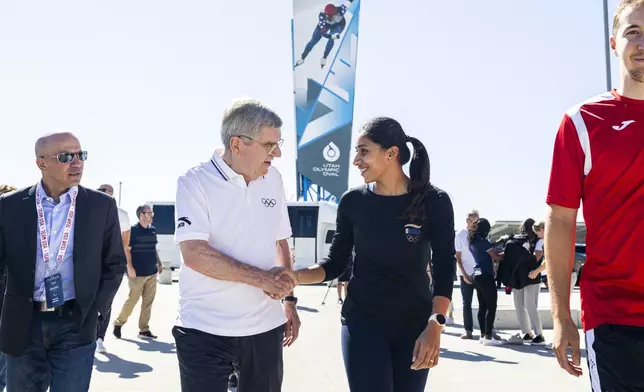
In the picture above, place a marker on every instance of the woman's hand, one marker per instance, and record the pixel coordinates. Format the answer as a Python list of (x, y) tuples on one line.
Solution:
[(427, 348), (533, 274)]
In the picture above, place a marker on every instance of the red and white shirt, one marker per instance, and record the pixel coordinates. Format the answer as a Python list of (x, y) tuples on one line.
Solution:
[(599, 158)]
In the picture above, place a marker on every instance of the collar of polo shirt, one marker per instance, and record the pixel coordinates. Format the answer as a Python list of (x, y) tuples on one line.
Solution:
[(225, 171)]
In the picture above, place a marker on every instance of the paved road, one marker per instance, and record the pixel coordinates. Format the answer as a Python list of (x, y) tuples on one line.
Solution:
[(314, 363)]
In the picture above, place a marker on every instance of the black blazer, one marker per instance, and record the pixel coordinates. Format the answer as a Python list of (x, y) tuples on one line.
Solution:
[(99, 262)]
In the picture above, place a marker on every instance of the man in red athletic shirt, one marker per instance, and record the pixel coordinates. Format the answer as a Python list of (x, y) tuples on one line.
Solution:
[(599, 158)]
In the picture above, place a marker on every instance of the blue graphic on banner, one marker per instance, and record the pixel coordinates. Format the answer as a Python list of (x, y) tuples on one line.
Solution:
[(325, 46)]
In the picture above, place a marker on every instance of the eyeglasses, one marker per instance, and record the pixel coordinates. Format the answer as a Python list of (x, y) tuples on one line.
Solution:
[(269, 146), (68, 157)]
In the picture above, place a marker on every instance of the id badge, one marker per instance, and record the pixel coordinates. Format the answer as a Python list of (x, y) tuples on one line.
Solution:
[(54, 291)]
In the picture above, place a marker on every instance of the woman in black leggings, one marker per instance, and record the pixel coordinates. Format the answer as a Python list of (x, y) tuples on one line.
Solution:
[(391, 325), (486, 259)]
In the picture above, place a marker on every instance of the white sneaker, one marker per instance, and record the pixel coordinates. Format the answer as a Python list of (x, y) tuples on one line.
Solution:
[(100, 348), (299, 62), (322, 62), (493, 342), (450, 320)]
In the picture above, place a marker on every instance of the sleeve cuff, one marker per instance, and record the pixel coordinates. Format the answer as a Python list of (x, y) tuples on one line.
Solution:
[(179, 238)]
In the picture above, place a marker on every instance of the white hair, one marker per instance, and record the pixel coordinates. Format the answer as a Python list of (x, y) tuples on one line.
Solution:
[(246, 117)]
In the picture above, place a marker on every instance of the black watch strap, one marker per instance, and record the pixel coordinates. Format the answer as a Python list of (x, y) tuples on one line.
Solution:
[(290, 298)]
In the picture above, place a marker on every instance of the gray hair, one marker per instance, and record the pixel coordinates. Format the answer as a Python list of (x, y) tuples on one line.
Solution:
[(246, 117)]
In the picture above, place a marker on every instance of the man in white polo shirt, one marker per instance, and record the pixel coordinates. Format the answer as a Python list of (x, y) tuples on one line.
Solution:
[(465, 269), (232, 227)]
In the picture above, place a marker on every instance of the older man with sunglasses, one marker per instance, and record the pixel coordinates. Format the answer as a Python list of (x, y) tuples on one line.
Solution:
[(62, 248)]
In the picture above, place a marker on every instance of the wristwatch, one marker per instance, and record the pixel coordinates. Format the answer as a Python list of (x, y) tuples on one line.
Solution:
[(438, 319), (290, 298)]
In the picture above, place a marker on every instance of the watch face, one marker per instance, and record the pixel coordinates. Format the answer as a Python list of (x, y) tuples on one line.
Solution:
[(441, 319)]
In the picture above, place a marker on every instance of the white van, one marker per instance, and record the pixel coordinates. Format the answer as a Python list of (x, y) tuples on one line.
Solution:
[(163, 221), (313, 226), (312, 223)]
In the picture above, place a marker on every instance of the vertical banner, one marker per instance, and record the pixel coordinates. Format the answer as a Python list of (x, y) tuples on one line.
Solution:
[(325, 46)]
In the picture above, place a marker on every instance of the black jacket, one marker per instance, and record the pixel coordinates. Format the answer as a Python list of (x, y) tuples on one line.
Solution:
[(99, 262)]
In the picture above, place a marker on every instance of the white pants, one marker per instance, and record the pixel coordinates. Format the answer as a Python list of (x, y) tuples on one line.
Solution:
[(527, 299)]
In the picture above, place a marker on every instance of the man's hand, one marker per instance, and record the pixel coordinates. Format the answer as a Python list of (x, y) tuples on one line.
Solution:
[(131, 273), (466, 278), (292, 323), (533, 274), (427, 348), (280, 282), (566, 335)]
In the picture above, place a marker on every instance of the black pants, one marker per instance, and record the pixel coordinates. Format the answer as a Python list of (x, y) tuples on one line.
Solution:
[(206, 361), (467, 292), (379, 358), (487, 296), (102, 324), (616, 358)]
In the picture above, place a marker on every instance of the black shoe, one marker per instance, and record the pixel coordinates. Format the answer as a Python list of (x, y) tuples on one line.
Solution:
[(539, 340), (528, 336), (117, 331), (146, 335), (340, 301)]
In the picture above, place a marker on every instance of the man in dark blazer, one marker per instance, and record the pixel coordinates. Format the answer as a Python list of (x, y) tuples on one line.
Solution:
[(62, 249)]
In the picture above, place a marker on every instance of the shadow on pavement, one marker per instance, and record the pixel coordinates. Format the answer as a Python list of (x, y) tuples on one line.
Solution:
[(117, 365), (307, 309), (154, 345), (471, 356), (544, 351)]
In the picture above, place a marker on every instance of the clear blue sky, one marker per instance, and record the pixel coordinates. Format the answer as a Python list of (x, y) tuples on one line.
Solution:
[(143, 84)]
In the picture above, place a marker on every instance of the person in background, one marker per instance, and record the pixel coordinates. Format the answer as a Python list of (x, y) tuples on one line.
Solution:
[(146, 263), (124, 224), (486, 260), (391, 322), (526, 300), (465, 262), (343, 282), (3, 279)]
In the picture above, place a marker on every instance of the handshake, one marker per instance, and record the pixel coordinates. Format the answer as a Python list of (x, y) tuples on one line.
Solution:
[(278, 282)]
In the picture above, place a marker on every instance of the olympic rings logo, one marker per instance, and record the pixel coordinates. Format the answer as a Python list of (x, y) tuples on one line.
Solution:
[(413, 238), (269, 202)]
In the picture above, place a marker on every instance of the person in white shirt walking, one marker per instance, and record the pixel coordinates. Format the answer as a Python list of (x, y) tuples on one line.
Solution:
[(465, 262), (232, 228), (124, 223)]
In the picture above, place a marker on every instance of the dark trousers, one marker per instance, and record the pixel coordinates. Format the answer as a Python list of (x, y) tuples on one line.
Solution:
[(206, 361), (317, 36), (467, 292), (379, 358), (102, 324), (56, 358), (487, 296), (615, 355)]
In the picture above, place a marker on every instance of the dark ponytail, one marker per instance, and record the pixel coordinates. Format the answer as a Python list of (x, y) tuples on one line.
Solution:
[(481, 228), (419, 185), (387, 132)]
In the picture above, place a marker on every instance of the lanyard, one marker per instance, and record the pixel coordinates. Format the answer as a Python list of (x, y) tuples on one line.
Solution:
[(42, 228)]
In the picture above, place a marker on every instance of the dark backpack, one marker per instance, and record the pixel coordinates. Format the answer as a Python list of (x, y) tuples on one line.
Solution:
[(517, 263)]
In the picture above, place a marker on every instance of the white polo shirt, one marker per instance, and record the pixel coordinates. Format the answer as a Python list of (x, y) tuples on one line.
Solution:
[(462, 244), (245, 222)]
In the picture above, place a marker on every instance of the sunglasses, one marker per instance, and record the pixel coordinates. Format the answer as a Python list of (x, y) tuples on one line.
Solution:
[(68, 157)]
